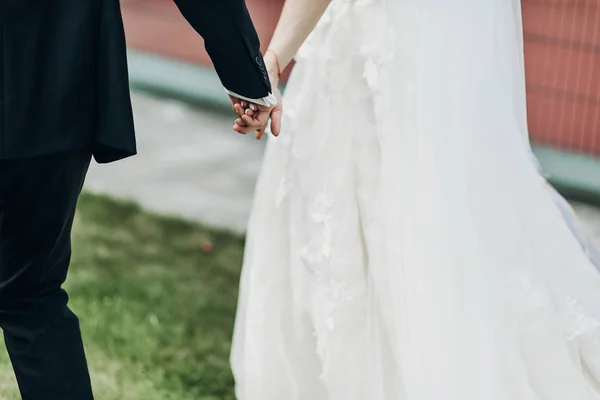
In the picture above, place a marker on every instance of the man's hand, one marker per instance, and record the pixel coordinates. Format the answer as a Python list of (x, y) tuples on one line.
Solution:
[(254, 118)]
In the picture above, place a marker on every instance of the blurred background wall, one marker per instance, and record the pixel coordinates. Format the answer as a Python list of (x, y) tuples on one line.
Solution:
[(156, 26), (562, 56)]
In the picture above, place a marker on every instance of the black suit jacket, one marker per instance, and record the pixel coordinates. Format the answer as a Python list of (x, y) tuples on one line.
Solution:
[(63, 71)]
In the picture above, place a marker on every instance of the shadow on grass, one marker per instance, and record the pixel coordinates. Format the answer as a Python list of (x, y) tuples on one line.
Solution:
[(156, 308)]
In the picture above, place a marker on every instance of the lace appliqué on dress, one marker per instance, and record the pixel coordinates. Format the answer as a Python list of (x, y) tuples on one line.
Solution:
[(328, 292), (579, 321)]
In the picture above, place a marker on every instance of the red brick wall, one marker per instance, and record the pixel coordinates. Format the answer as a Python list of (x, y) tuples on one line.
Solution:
[(562, 50), (157, 26), (562, 56)]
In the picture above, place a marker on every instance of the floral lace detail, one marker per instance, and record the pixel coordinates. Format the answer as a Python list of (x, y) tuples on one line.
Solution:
[(579, 321), (329, 293), (530, 300), (376, 48), (318, 251), (283, 190), (536, 305)]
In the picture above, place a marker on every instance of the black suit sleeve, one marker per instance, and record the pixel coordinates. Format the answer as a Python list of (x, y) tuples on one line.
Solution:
[(231, 42)]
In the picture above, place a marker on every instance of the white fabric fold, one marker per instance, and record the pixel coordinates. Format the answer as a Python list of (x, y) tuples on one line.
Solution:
[(403, 244)]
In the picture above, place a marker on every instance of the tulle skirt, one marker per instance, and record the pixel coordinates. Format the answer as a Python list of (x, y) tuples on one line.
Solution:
[(402, 244)]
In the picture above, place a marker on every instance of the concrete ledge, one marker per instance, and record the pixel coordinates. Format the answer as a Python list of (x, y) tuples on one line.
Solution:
[(184, 81), (576, 176)]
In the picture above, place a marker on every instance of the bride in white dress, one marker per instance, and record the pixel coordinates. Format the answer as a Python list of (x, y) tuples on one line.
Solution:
[(402, 244)]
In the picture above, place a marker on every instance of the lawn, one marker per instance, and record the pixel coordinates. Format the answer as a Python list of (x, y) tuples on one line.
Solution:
[(156, 298)]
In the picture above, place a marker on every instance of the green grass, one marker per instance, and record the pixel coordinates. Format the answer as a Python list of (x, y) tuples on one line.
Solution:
[(156, 311)]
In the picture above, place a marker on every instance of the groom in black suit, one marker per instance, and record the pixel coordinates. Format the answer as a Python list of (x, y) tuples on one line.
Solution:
[(64, 98)]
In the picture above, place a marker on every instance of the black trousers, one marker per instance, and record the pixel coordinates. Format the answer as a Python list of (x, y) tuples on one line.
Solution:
[(37, 205)]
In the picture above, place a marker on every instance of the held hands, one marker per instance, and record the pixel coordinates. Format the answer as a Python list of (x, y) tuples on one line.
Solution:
[(254, 117)]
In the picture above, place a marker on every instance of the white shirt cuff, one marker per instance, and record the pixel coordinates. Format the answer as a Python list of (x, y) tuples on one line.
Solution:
[(268, 101)]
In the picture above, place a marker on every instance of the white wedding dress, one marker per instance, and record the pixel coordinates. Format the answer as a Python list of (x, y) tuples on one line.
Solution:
[(403, 245)]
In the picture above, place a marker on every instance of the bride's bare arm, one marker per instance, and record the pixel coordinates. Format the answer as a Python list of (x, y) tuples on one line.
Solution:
[(297, 20)]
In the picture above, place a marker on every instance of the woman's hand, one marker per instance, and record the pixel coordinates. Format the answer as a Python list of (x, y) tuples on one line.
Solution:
[(254, 117)]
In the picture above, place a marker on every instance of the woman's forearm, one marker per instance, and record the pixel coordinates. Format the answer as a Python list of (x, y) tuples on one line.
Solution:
[(298, 19)]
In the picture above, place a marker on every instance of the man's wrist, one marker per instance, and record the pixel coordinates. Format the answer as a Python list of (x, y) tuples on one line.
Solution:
[(269, 100)]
